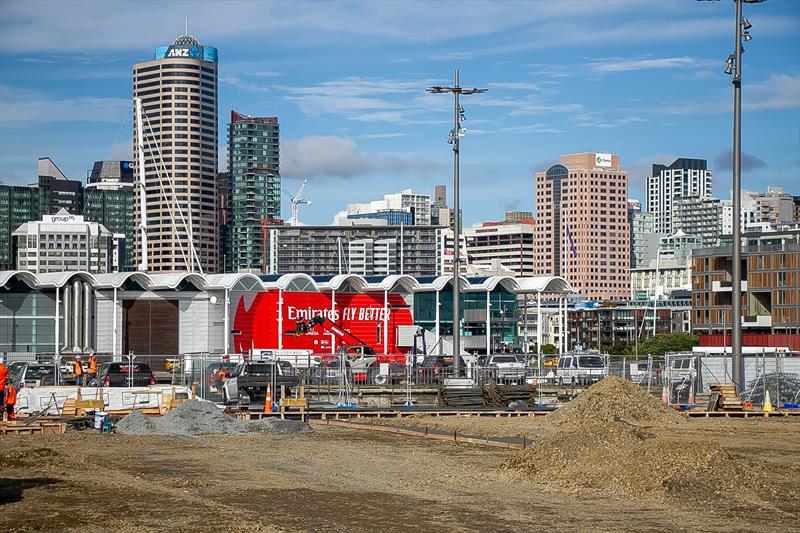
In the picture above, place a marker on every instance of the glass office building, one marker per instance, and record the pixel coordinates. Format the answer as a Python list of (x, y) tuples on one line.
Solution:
[(255, 188), (18, 205)]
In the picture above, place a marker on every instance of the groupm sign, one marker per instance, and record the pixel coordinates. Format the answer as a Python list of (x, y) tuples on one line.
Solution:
[(602, 160), (206, 53)]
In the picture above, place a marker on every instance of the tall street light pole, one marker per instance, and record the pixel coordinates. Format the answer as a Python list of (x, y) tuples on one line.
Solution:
[(734, 66), (455, 135)]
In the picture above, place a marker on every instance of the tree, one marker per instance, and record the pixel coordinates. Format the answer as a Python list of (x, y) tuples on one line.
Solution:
[(663, 343), (549, 349)]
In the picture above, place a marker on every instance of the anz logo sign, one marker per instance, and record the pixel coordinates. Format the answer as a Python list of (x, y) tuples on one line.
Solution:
[(191, 52)]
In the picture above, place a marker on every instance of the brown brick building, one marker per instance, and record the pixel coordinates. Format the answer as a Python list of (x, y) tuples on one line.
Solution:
[(588, 192)]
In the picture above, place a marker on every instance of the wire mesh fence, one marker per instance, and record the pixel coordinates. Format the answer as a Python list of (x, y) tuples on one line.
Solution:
[(683, 376)]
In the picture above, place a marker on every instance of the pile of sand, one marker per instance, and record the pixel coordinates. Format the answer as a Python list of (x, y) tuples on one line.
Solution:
[(202, 418), (614, 399), (612, 439)]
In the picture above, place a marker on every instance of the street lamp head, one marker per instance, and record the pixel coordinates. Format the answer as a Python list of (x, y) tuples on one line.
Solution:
[(730, 63), (472, 90), (746, 36), (746, 24)]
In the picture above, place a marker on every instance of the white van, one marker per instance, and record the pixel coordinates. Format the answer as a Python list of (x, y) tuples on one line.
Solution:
[(581, 368)]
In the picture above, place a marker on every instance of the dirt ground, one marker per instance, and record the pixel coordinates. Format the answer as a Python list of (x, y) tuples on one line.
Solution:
[(336, 479)]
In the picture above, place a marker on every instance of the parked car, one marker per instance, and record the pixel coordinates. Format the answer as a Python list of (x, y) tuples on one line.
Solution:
[(329, 371), (123, 374), (506, 367), (435, 367), (35, 375), (248, 382), (580, 368)]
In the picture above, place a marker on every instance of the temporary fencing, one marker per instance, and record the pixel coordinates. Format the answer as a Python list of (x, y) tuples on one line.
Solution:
[(683, 374)]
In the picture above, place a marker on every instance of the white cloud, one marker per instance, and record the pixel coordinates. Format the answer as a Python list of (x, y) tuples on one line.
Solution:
[(339, 157), (516, 85), (779, 91), (621, 64), (596, 120), (23, 105), (54, 25), (383, 135), (531, 128)]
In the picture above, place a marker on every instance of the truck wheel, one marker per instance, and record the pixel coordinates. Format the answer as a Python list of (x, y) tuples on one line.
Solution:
[(244, 398), (376, 378)]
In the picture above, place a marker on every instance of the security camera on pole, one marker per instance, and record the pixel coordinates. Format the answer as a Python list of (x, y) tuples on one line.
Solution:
[(455, 134)]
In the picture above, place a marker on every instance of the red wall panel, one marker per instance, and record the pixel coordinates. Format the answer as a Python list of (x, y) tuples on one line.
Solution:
[(360, 314)]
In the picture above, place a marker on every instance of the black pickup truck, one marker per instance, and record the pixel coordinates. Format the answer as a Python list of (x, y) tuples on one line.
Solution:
[(248, 381)]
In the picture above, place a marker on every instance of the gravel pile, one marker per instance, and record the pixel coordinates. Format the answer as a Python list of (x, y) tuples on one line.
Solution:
[(202, 418), (136, 423), (278, 426), (614, 399)]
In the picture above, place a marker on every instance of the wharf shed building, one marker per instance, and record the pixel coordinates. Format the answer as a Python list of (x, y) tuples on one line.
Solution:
[(189, 313)]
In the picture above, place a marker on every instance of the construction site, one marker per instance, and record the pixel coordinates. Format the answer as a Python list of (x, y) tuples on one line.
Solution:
[(614, 458)]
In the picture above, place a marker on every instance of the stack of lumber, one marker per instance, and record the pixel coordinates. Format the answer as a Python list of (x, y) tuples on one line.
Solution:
[(461, 397), (503, 395), (724, 397), (499, 396)]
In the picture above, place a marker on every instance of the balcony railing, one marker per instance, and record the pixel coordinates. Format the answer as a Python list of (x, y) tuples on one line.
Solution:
[(726, 286), (757, 321)]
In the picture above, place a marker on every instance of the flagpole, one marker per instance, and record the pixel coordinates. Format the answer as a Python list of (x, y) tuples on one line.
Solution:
[(566, 274)]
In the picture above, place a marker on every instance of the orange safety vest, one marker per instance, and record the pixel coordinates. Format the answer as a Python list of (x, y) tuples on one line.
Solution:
[(92, 365), (11, 395), (77, 369), (3, 376)]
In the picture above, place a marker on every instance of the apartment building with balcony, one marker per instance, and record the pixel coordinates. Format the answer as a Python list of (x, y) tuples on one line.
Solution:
[(367, 247), (770, 290)]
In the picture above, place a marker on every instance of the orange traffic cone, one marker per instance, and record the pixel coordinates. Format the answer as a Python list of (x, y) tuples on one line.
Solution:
[(268, 401), (665, 395)]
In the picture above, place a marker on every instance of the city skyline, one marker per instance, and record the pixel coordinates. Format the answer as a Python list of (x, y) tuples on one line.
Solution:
[(647, 85)]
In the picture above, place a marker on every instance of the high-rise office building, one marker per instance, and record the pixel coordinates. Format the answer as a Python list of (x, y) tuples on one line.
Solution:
[(684, 177), (18, 205), (56, 191), (108, 199), (52, 192), (584, 198), (255, 190), (178, 89), (509, 243)]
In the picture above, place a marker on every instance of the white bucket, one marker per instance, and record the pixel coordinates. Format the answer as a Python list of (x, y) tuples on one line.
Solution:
[(99, 417)]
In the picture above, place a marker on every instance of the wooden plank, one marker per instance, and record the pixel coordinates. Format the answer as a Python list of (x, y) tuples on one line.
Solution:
[(712, 401)]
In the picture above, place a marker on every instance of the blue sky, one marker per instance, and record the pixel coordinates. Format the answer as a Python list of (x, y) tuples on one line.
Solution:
[(640, 78)]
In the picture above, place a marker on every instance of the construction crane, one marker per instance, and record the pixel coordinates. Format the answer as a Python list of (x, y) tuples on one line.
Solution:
[(297, 199)]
